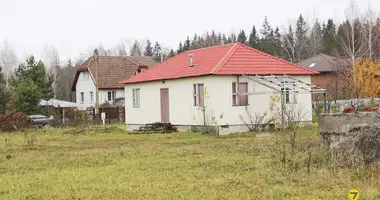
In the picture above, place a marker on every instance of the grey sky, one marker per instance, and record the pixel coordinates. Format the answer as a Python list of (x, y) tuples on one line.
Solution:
[(73, 26)]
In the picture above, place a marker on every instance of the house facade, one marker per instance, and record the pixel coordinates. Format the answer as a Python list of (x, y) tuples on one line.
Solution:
[(328, 76), (214, 87), (110, 70)]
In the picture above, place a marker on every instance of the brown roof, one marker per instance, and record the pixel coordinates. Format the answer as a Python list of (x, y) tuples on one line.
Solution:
[(112, 69), (321, 62)]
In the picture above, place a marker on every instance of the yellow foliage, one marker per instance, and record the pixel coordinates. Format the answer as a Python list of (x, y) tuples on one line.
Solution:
[(367, 84)]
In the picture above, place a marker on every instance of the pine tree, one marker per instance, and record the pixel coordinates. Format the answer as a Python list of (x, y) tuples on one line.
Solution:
[(241, 37), (267, 43), (315, 45), (4, 93), (213, 38), (301, 38), (180, 48), (224, 39), (253, 38), (219, 40), (148, 49), (171, 53), (157, 52), (277, 43), (329, 38), (187, 44), (194, 42)]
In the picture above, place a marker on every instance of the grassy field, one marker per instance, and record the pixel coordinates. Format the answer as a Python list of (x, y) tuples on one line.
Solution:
[(111, 164)]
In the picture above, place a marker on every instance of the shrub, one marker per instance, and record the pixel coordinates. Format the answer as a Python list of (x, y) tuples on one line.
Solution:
[(14, 121)]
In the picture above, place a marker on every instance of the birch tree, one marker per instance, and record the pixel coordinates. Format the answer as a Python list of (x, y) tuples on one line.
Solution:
[(8, 61)]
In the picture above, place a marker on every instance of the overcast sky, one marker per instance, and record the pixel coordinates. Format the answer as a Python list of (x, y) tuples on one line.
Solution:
[(73, 26)]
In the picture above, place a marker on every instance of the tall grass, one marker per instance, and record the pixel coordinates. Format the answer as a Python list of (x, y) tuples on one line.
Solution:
[(110, 164)]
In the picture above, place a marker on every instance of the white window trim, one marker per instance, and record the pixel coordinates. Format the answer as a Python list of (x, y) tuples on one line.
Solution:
[(287, 87), (82, 97), (237, 96), (196, 95), (134, 102), (91, 96)]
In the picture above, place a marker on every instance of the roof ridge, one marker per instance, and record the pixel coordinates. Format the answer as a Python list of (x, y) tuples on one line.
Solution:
[(139, 74), (209, 47), (276, 58), (225, 58)]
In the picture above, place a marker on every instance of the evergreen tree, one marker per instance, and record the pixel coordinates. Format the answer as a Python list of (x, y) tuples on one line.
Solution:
[(315, 45), (4, 93), (233, 38), (301, 38), (213, 38), (277, 43), (30, 84), (171, 53), (157, 52), (180, 48), (267, 43), (329, 38), (194, 42), (219, 40), (148, 49), (224, 39), (187, 44), (253, 38), (241, 37)]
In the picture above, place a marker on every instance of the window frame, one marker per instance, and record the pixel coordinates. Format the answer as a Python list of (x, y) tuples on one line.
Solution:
[(136, 98), (235, 95), (197, 96), (288, 86), (82, 97), (111, 95), (91, 96)]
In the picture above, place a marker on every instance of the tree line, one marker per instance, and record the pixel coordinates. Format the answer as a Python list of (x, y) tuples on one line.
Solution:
[(355, 37)]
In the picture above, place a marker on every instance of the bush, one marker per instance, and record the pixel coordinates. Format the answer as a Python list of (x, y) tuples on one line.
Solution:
[(14, 121)]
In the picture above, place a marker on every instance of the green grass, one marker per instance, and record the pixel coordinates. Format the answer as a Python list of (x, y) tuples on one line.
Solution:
[(111, 164)]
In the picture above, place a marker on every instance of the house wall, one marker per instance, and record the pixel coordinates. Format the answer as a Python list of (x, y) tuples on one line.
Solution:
[(331, 82), (87, 85), (218, 102)]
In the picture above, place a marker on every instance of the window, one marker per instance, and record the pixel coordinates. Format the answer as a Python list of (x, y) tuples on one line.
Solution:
[(82, 97), (289, 94), (136, 98), (111, 95), (139, 70), (198, 94), (239, 100), (92, 96)]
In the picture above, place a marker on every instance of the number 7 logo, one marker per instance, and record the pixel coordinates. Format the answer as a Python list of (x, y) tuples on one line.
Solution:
[(353, 194)]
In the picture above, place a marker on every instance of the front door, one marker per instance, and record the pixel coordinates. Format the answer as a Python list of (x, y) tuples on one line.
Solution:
[(164, 105)]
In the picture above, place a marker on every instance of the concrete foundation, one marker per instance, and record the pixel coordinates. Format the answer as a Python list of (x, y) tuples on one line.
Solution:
[(212, 129), (340, 130)]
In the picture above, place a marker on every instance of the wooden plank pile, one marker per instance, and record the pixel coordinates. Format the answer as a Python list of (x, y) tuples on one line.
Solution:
[(158, 127)]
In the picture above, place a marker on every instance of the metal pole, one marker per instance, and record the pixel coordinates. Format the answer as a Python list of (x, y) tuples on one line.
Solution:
[(325, 99), (282, 110), (97, 84)]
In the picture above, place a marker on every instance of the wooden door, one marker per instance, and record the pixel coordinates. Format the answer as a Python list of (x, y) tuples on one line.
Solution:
[(164, 100)]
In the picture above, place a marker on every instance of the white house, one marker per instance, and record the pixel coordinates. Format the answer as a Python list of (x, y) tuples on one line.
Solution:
[(178, 89), (111, 69)]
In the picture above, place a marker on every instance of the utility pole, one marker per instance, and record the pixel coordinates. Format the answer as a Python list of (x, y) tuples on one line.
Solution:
[(97, 85)]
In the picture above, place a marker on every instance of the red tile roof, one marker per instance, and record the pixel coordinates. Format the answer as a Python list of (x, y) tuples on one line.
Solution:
[(229, 59)]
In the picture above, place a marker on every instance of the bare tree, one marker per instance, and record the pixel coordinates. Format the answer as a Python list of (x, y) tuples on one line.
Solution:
[(136, 49), (288, 44), (369, 21), (353, 45), (8, 60), (315, 45)]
